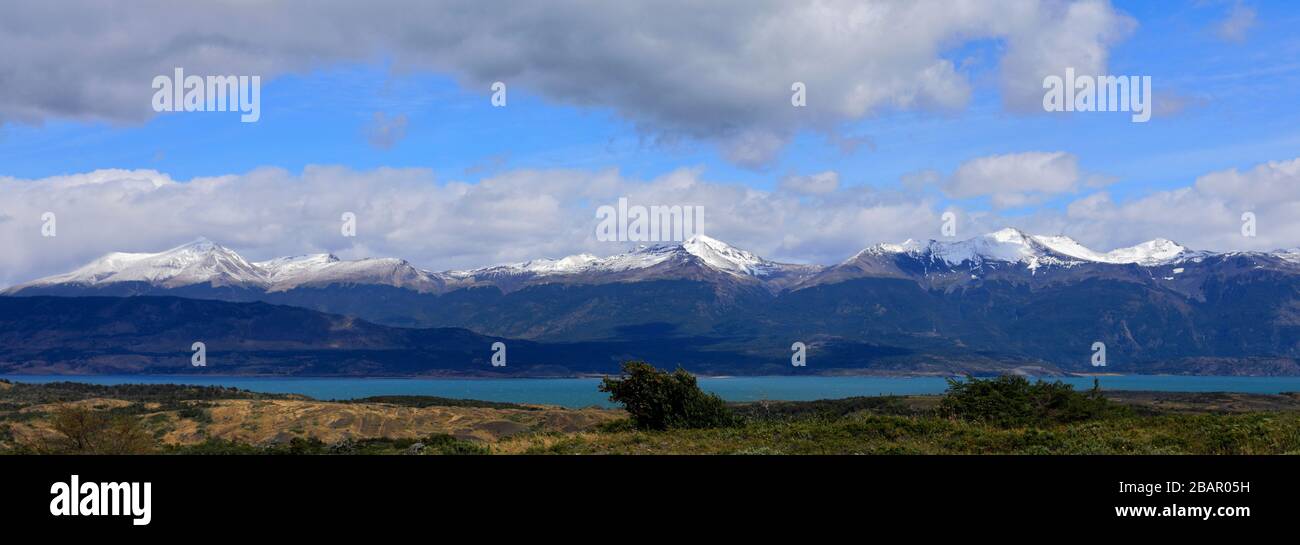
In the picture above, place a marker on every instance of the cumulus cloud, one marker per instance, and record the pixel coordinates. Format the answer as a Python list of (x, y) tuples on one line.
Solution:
[(1206, 214), (411, 213), (720, 71), (1010, 180), (1062, 35), (524, 214)]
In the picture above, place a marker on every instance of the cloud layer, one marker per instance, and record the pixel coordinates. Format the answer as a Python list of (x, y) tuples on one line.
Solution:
[(1015, 179), (409, 213), (720, 71), (525, 214)]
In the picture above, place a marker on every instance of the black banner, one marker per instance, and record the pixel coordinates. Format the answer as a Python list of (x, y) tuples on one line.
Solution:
[(323, 493)]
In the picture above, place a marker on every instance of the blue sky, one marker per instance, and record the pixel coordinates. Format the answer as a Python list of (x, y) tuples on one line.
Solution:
[(1227, 100), (1242, 100)]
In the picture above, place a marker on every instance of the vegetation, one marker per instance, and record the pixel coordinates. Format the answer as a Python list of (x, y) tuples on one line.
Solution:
[(667, 413), (1005, 415), (1012, 401), (657, 400), (166, 394), (435, 401), (867, 433), (87, 431), (441, 444), (830, 409)]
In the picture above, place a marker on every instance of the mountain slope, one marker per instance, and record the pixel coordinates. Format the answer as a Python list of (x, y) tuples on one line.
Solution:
[(204, 264), (154, 335), (1007, 297), (201, 261)]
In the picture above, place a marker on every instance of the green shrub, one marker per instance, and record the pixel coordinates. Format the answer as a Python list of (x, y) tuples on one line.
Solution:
[(307, 445), (195, 413), (213, 446), (82, 430), (441, 443), (657, 400), (1012, 401)]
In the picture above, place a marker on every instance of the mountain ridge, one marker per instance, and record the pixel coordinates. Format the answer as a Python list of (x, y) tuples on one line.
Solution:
[(1005, 297), (205, 262)]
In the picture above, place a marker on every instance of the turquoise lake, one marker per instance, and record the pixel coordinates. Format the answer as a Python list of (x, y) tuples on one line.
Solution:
[(581, 392)]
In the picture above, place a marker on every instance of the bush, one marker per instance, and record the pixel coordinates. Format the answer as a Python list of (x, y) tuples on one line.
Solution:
[(213, 446), (195, 413), (441, 443), (1012, 401), (657, 400), (85, 431)]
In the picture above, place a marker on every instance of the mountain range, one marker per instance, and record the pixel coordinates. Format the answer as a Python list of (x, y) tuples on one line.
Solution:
[(1004, 300), (204, 262)]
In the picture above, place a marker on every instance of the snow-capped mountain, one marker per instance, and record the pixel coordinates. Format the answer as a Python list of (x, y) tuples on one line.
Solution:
[(207, 263), (319, 270), (1005, 297), (698, 249), (203, 262), (1034, 251)]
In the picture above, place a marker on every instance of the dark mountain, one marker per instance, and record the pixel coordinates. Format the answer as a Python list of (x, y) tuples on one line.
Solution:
[(1001, 301), (154, 335)]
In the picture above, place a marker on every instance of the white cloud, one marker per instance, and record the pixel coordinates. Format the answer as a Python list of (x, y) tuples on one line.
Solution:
[(525, 214), (1205, 215), (409, 213), (1014, 179), (1061, 35), (720, 71)]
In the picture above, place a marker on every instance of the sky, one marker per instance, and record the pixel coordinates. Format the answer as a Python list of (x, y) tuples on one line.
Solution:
[(385, 110)]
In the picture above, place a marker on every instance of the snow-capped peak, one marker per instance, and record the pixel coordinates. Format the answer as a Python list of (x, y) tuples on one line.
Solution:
[(1009, 245), (1067, 246), (722, 256), (1004, 245), (1151, 252), (569, 264), (199, 261), (284, 268), (326, 269), (205, 262), (711, 252), (1013, 245)]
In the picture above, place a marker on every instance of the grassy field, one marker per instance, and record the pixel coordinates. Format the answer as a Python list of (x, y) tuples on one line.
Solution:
[(180, 419), (867, 433), (191, 420)]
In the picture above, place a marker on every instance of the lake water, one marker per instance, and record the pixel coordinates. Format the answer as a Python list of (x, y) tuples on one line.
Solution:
[(581, 392)]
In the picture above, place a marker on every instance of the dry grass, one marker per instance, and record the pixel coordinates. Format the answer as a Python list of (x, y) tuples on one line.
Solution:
[(276, 421)]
